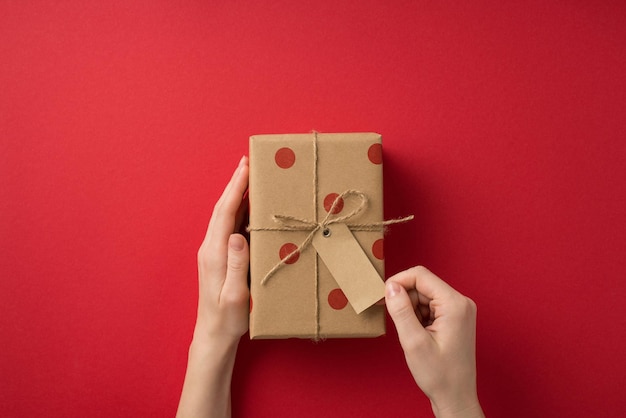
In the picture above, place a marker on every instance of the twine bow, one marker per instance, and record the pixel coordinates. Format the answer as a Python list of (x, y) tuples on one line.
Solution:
[(292, 223)]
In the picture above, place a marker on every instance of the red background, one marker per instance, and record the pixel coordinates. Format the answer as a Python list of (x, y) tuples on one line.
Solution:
[(504, 133)]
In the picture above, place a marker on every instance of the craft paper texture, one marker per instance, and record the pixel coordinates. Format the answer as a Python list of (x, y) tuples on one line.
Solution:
[(286, 179)]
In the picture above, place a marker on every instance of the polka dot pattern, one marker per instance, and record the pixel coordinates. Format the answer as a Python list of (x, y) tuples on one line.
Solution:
[(337, 299), (375, 153), (287, 249), (285, 157), (378, 249), (328, 203)]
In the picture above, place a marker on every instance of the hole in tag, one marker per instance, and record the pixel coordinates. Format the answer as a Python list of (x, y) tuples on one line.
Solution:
[(326, 233)]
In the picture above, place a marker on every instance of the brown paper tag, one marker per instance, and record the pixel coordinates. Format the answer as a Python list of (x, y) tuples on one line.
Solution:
[(349, 265)]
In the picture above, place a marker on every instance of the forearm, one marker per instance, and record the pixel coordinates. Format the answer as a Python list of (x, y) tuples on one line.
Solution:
[(206, 390)]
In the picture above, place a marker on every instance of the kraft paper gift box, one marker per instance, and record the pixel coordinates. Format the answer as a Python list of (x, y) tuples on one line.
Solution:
[(316, 206)]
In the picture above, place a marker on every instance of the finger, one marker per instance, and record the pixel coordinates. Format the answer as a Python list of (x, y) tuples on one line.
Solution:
[(222, 222), (410, 331), (423, 312), (235, 290), (220, 202), (231, 182), (427, 284), (213, 251), (413, 295), (241, 219)]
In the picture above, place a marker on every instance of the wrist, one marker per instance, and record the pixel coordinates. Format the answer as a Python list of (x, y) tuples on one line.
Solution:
[(468, 409), (216, 346), (207, 335), (212, 362)]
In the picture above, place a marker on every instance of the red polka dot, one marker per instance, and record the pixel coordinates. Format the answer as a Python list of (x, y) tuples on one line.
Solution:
[(328, 203), (375, 153), (336, 299), (287, 249), (285, 157), (378, 249)]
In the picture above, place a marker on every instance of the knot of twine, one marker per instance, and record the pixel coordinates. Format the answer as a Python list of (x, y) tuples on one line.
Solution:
[(292, 223)]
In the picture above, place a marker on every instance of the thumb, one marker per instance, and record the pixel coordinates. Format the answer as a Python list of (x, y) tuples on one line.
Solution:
[(235, 290), (410, 331)]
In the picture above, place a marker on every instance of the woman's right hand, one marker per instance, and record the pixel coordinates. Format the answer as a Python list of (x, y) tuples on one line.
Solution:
[(437, 330)]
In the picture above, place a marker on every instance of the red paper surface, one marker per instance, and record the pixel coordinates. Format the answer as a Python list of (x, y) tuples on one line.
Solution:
[(121, 121)]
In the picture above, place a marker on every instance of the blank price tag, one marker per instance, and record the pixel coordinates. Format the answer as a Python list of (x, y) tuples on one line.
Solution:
[(349, 265)]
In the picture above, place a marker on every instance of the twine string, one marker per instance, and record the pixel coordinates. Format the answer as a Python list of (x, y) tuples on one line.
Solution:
[(316, 263)]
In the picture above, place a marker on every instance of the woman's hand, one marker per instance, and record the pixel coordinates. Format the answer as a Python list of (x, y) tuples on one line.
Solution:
[(223, 306), (437, 330), (223, 257)]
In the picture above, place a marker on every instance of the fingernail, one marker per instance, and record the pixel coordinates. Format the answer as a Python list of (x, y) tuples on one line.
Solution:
[(241, 161), (392, 288), (236, 242)]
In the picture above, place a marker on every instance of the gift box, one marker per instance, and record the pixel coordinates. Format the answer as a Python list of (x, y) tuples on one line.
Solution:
[(316, 236)]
